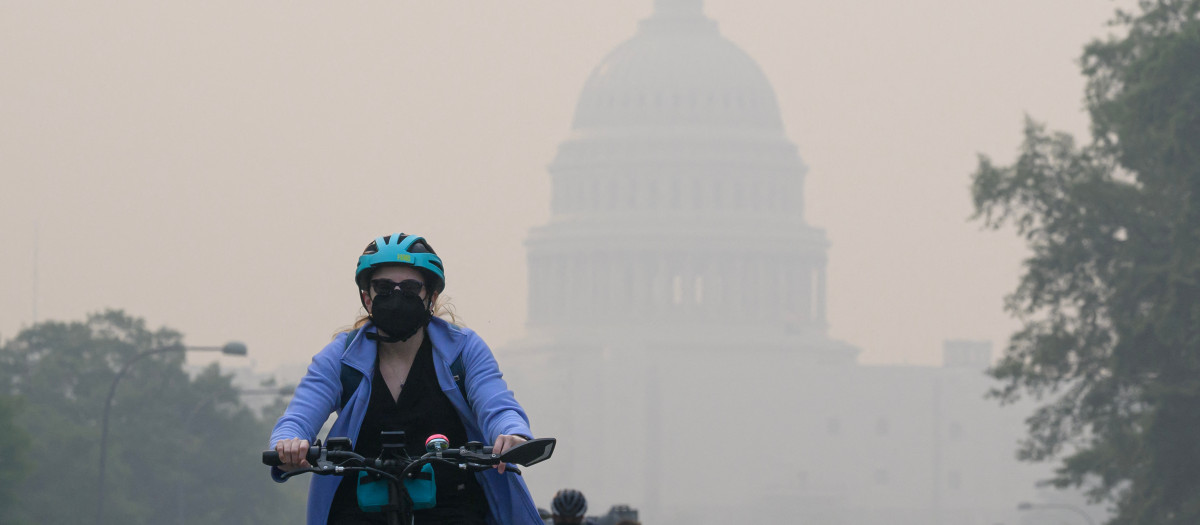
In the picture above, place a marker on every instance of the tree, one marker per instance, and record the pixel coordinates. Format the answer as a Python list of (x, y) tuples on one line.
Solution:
[(181, 450), (1110, 297), (14, 443)]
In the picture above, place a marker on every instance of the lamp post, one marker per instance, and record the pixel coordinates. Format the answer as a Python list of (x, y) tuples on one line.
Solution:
[(1025, 505), (230, 348)]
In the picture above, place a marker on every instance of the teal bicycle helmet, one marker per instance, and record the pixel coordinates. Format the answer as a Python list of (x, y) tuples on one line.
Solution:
[(403, 250)]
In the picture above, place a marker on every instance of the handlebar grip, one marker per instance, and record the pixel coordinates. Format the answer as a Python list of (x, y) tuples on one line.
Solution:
[(270, 458)]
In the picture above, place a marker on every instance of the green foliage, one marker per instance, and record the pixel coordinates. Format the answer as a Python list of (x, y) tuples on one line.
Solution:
[(180, 450), (1110, 297), (15, 444)]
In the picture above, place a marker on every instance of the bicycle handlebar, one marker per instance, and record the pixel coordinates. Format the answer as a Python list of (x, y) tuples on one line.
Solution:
[(270, 458), (473, 457)]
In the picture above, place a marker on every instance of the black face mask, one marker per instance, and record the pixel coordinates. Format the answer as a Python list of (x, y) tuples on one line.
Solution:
[(399, 315)]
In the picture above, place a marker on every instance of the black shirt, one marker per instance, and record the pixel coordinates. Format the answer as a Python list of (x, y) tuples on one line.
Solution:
[(421, 410)]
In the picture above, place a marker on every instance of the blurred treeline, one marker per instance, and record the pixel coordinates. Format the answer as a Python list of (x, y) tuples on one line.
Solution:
[(180, 449)]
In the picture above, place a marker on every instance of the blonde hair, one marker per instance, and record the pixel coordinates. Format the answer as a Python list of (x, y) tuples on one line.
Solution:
[(442, 307)]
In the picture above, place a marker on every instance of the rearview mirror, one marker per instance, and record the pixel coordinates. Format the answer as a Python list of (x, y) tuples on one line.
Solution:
[(530, 452)]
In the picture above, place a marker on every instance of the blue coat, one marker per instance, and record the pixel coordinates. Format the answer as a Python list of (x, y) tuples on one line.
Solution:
[(493, 411)]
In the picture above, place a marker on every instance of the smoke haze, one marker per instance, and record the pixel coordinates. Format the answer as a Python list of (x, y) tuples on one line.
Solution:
[(217, 167)]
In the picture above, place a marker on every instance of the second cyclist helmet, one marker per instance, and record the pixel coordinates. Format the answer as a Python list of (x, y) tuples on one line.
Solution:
[(405, 250), (570, 503)]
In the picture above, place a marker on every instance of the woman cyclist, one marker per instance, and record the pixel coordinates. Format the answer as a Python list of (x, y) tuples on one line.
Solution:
[(402, 356)]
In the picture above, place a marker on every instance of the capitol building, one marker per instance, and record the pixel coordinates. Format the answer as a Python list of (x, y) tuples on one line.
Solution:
[(677, 341)]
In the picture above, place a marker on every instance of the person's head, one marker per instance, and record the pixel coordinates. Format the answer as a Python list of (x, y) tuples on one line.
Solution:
[(399, 278), (403, 251), (569, 507)]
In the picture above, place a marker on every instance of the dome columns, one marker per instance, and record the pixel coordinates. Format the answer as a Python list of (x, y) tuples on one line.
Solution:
[(675, 285)]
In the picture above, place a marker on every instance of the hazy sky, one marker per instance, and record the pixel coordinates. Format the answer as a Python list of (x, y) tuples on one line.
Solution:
[(218, 166)]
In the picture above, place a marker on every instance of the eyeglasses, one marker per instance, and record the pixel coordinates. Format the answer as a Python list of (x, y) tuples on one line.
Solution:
[(387, 286)]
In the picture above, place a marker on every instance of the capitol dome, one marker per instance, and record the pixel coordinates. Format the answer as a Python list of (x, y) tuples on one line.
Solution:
[(677, 153), (678, 71)]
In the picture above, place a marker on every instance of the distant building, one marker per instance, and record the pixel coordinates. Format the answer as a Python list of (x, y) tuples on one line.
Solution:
[(677, 339), (967, 354)]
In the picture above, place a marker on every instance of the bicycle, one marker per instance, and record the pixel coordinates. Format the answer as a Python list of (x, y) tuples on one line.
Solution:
[(391, 478)]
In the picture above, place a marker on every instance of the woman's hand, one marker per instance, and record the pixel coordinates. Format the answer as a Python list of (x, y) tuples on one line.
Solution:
[(293, 453), (505, 442)]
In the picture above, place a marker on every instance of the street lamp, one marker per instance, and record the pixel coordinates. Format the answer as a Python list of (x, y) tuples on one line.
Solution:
[(1025, 505), (230, 348)]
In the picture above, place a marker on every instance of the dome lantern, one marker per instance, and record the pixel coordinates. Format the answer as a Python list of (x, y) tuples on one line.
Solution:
[(678, 8)]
